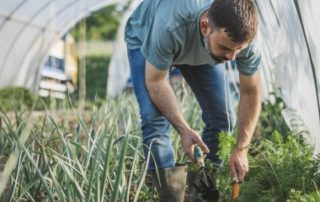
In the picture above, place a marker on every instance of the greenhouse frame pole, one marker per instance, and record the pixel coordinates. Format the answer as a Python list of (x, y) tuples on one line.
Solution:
[(310, 56)]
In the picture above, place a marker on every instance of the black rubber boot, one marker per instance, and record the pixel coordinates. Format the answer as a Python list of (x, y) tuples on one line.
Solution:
[(171, 183)]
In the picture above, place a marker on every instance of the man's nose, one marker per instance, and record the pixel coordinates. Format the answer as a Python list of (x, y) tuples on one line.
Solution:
[(232, 54)]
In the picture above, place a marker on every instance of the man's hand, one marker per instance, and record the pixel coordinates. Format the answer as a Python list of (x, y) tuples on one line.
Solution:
[(239, 165), (189, 139)]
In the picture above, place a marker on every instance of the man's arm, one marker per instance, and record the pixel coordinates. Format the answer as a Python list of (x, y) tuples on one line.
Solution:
[(248, 114), (163, 97)]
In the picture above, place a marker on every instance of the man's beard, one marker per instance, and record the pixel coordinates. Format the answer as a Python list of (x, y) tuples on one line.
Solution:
[(216, 58)]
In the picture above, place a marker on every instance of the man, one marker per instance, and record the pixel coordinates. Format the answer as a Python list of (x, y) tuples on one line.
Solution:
[(196, 36)]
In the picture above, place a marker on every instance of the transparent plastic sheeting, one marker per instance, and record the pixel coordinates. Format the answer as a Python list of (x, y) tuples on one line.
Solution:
[(28, 29), (118, 71), (285, 61)]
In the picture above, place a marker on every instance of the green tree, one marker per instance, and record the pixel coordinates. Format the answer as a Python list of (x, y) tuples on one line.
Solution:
[(101, 24)]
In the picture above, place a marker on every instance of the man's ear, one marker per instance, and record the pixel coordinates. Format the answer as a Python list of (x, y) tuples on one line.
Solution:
[(204, 25)]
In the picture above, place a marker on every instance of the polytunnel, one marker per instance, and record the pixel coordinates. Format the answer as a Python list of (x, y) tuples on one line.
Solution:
[(28, 28), (289, 40)]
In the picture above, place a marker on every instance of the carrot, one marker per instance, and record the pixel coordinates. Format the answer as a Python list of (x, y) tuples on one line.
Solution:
[(235, 191)]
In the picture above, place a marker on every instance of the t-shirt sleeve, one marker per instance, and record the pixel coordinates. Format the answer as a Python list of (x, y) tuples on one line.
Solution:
[(248, 60), (158, 49)]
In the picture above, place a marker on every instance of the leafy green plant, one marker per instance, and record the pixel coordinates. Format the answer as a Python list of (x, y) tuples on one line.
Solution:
[(271, 117), (282, 165), (96, 77), (97, 156), (101, 25), (298, 196), (84, 161), (16, 99)]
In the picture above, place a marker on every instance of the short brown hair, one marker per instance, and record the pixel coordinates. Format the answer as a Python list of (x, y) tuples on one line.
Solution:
[(238, 17)]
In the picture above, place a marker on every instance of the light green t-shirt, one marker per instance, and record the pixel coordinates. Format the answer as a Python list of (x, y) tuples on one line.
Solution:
[(168, 33)]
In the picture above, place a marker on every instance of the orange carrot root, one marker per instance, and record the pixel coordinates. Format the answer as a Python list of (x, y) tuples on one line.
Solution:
[(235, 191)]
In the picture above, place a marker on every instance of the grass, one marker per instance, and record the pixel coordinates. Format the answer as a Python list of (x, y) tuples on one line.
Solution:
[(51, 155), (97, 156)]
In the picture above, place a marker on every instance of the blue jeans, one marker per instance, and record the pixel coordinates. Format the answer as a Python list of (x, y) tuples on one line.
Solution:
[(211, 88)]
